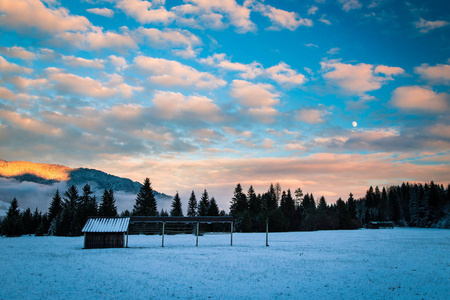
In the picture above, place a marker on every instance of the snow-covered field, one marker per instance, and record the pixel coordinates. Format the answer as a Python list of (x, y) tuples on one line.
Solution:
[(400, 263)]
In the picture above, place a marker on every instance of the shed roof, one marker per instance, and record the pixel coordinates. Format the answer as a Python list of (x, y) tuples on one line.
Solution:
[(106, 225)]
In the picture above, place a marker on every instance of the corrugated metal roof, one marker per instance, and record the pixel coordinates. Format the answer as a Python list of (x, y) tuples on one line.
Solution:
[(106, 225)]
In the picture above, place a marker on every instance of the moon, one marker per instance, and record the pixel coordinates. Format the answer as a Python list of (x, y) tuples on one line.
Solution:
[(354, 124)]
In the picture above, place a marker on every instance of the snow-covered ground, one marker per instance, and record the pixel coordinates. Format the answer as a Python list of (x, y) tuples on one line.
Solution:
[(400, 263)]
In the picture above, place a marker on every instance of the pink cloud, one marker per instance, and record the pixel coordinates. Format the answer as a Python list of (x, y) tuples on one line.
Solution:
[(420, 99)]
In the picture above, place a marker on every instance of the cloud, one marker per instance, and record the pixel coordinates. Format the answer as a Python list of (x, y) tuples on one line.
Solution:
[(337, 173), (348, 5), (116, 82), (311, 115), (17, 52), (83, 86), (333, 51), (170, 105), (426, 26), (248, 71), (254, 95), (105, 12), (23, 83), (312, 10), (183, 41), (96, 39), (258, 99), (33, 14), (212, 14), (440, 130), (281, 19), (357, 79), (420, 99), (6, 94), (389, 71), (284, 75), (439, 74), (146, 12), (172, 73), (28, 123), (82, 62), (235, 132), (119, 62), (7, 67), (323, 20)]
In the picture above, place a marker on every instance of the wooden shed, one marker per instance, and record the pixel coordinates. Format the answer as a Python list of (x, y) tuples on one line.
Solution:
[(105, 232)]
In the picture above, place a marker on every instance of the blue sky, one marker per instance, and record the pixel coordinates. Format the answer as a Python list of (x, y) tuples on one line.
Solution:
[(202, 94)]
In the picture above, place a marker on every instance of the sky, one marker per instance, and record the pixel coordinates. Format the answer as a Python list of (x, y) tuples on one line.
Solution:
[(328, 96)]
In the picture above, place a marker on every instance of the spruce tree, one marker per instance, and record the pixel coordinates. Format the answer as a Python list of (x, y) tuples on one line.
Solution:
[(176, 207), (203, 205), (322, 207), (145, 201), (192, 205), (55, 206), (108, 205), (351, 206), (27, 220), (239, 202), (253, 204), (213, 209), (87, 207), (12, 225)]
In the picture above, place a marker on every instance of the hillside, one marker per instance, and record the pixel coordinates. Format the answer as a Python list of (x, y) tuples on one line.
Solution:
[(48, 174)]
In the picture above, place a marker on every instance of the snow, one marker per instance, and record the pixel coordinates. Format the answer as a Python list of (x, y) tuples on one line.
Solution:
[(106, 225), (407, 263)]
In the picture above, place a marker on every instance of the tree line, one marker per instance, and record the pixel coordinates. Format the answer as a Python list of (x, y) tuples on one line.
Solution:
[(417, 205)]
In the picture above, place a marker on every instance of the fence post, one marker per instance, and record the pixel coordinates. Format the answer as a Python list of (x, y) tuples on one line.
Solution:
[(196, 243), (164, 223), (267, 232), (231, 234)]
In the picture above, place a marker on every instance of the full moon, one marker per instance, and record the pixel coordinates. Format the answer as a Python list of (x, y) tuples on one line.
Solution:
[(354, 124)]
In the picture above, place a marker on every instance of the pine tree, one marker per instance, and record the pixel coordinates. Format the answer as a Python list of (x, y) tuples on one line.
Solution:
[(164, 213), (298, 196), (176, 207), (203, 205), (37, 219), (239, 202), (145, 201), (254, 204), (108, 205), (272, 202), (351, 206), (55, 206), (192, 205), (213, 209), (12, 225), (87, 207), (322, 207), (27, 220)]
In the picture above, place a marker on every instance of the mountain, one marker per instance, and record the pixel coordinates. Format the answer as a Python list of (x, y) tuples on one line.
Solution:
[(30, 181)]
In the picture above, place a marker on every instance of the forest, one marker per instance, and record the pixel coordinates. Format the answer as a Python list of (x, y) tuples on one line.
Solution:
[(414, 205)]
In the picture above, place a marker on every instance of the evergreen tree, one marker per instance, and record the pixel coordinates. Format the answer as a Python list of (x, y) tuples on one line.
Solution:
[(12, 225), (239, 202), (203, 205), (176, 207), (66, 222), (87, 207), (145, 201), (272, 203), (37, 220), (213, 208), (27, 220), (55, 206), (164, 213), (192, 205), (352, 206), (322, 207), (108, 205), (298, 196), (253, 202), (343, 215)]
